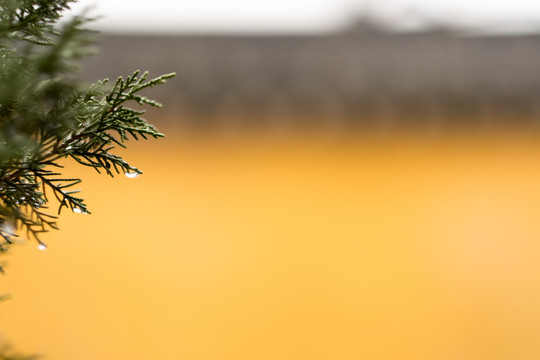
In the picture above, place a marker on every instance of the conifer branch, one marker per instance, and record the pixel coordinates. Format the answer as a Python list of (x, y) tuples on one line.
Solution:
[(47, 115)]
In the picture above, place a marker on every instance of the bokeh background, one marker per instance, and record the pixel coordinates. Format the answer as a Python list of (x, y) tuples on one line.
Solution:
[(339, 180)]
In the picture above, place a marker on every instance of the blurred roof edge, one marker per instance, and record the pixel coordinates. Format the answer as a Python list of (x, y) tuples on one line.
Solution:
[(363, 26)]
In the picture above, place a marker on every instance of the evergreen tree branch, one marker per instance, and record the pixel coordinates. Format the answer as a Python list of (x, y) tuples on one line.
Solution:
[(48, 115)]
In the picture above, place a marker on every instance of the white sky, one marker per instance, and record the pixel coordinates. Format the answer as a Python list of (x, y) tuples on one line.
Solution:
[(300, 16)]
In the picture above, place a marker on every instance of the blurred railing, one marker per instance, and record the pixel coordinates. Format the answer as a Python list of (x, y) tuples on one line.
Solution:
[(354, 78)]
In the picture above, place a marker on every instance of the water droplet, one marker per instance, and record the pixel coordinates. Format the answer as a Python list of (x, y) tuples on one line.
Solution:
[(79, 211), (132, 175), (42, 246), (8, 228)]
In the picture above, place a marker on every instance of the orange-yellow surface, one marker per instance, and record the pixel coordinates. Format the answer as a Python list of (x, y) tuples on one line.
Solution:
[(400, 247)]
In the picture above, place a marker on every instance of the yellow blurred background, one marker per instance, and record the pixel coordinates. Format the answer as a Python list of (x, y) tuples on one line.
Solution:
[(403, 246), (340, 180)]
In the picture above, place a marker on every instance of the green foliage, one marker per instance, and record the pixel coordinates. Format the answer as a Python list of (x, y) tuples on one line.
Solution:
[(6, 354), (48, 114)]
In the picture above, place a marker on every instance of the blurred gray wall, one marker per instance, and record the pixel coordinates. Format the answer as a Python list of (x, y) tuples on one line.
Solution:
[(360, 76)]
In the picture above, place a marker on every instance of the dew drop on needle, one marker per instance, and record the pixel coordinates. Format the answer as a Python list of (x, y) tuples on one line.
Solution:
[(132, 175)]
